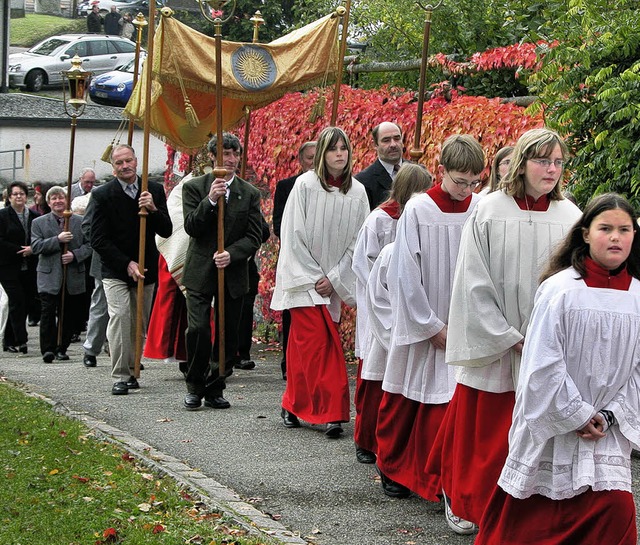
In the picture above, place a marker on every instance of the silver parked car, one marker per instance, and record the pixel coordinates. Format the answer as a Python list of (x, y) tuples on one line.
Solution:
[(42, 64)]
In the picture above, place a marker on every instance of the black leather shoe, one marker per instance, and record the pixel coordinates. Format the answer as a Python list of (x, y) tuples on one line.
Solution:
[(48, 357), (392, 488), (216, 402), (132, 383), (11, 349), (89, 361), (32, 323), (289, 420), (120, 389), (141, 367), (192, 402), (245, 365), (365, 456), (23, 348), (75, 338), (334, 430), (61, 356)]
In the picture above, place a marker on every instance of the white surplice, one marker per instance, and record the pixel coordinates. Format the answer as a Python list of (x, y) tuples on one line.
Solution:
[(582, 355), (502, 252), (380, 316), (378, 230), (317, 238), (420, 279)]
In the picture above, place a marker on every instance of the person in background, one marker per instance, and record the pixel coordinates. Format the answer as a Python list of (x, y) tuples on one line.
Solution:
[(378, 176), (127, 28), (504, 245), (85, 183), (18, 270), (94, 20), (378, 230), (499, 169), (306, 154), (112, 22), (324, 213), (567, 477), (48, 240)]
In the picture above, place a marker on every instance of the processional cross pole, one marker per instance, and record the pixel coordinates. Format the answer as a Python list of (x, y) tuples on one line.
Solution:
[(257, 21), (212, 10), (139, 22), (76, 84), (144, 186), (416, 152), (344, 13)]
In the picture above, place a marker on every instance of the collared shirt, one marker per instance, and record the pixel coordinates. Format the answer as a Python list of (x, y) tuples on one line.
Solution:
[(226, 198), (391, 169), (125, 187)]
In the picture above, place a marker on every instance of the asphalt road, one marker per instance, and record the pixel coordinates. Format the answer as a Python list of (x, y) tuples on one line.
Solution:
[(313, 485)]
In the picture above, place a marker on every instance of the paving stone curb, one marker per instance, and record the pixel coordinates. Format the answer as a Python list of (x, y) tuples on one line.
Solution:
[(213, 494)]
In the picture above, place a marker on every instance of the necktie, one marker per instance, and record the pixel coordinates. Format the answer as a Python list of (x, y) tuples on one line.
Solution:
[(396, 168), (131, 191)]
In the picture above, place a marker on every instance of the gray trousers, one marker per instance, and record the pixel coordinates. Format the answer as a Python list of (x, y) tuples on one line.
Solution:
[(98, 320)]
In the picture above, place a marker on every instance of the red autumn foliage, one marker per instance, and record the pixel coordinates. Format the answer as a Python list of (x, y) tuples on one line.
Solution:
[(278, 130)]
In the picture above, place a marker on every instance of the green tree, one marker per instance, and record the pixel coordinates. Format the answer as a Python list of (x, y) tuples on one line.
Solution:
[(589, 86)]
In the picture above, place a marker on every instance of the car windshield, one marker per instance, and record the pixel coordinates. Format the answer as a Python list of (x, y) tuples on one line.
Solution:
[(129, 66), (47, 47)]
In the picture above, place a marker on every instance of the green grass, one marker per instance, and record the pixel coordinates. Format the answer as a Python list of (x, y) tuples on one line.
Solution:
[(62, 485), (31, 29)]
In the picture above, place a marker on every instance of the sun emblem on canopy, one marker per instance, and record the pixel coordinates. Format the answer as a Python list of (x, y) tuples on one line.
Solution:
[(253, 67)]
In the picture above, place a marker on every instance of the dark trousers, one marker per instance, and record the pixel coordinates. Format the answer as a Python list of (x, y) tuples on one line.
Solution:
[(203, 376), (245, 332), (286, 326), (51, 307), (20, 289)]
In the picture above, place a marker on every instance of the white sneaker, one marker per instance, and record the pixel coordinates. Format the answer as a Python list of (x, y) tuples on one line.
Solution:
[(457, 524)]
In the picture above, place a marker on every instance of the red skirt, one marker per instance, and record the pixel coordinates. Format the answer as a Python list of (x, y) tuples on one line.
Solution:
[(317, 385), (168, 321), (367, 401), (405, 434), (471, 449), (591, 518)]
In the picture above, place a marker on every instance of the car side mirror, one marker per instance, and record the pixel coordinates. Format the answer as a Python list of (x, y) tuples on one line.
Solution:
[(65, 57)]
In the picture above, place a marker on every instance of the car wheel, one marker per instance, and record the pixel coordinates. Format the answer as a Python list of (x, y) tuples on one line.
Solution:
[(35, 80)]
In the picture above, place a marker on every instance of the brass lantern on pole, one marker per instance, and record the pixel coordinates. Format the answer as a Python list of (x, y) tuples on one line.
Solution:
[(74, 90)]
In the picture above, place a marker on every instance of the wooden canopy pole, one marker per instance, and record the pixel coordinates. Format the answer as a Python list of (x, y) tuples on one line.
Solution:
[(139, 22), (416, 152), (343, 50), (143, 213)]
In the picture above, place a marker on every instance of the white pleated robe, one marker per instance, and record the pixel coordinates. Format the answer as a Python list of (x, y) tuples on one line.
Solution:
[(318, 236), (378, 230), (582, 355), (420, 280), (502, 252)]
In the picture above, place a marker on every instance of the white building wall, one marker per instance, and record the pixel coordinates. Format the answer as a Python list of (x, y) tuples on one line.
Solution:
[(47, 152)]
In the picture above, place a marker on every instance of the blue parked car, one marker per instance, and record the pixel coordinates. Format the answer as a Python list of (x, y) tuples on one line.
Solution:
[(114, 88)]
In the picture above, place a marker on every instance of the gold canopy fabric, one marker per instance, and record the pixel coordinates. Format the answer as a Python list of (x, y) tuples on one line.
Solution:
[(252, 75)]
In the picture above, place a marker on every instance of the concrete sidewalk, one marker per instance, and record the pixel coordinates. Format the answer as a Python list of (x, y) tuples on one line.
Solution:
[(293, 484)]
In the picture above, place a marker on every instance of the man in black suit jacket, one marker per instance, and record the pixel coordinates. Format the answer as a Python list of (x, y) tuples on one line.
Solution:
[(306, 154), (242, 238), (115, 235), (378, 177)]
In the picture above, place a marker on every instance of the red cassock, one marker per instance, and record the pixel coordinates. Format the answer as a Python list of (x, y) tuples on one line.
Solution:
[(317, 385), (406, 433), (591, 518), (471, 449), (367, 401), (168, 321)]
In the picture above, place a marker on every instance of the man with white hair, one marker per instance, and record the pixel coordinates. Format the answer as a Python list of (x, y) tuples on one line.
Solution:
[(84, 184)]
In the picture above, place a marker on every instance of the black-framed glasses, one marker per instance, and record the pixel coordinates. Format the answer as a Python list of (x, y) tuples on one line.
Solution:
[(546, 163), (21, 194), (464, 184)]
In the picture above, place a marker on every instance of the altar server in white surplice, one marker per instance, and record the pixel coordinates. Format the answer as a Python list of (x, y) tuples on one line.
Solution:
[(417, 383), (378, 230), (567, 478), (505, 244), (321, 220)]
